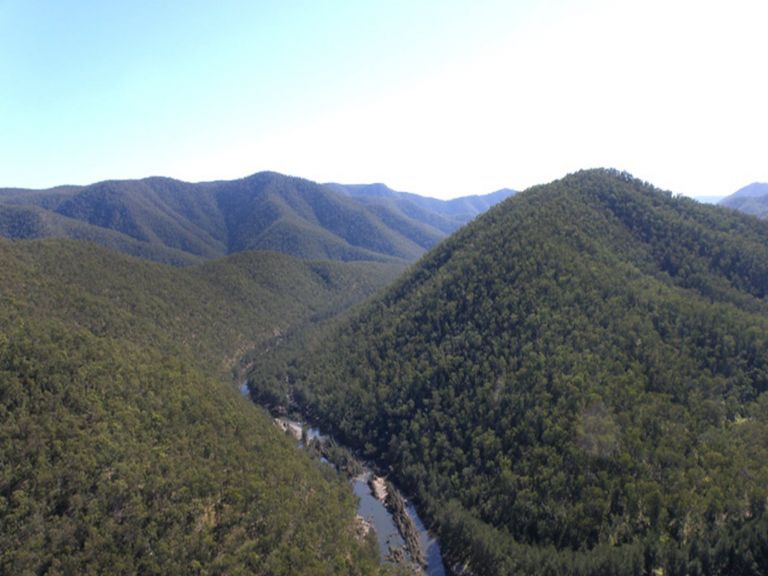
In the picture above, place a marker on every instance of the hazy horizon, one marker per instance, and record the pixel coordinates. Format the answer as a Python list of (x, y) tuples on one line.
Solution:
[(441, 99)]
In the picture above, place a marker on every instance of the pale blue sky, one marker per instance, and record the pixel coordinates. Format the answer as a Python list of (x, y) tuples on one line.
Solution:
[(442, 98)]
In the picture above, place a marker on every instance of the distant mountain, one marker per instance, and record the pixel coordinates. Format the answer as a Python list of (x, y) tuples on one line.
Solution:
[(752, 190), (181, 223), (752, 199), (447, 216), (125, 449), (574, 383)]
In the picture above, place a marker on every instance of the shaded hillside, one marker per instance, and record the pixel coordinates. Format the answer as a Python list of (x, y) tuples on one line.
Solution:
[(274, 211), (752, 199), (575, 383), (27, 222), (179, 223), (124, 451)]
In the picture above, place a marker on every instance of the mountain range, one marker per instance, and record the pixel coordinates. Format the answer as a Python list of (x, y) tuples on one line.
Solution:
[(575, 381), (182, 223)]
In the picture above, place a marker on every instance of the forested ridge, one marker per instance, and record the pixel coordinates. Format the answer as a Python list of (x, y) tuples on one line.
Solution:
[(218, 310), (183, 223), (124, 448), (574, 383)]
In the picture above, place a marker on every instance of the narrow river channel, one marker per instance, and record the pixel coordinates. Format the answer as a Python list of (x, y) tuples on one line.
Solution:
[(371, 508)]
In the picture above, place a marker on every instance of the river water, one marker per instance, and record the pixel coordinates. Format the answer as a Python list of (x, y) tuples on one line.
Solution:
[(373, 510), (377, 514)]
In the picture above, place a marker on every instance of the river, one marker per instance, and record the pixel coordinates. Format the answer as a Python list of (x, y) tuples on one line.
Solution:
[(373, 510)]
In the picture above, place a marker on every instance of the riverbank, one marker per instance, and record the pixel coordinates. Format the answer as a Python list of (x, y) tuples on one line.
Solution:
[(402, 536)]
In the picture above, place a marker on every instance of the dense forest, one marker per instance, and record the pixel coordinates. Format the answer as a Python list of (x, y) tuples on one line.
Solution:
[(182, 223), (574, 383), (124, 446)]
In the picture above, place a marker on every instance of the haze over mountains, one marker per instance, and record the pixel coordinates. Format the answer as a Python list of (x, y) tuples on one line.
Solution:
[(181, 223), (752, 199), (574, 383)]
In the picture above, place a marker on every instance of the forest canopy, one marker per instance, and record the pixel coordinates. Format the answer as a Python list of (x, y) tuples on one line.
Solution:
[(574, 383), (124, 446)]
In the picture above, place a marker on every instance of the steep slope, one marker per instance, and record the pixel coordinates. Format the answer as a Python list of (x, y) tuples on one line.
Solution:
[(308, 216), (157, 211), (752, 199), (180, 223), (575, 383), (124, 451)]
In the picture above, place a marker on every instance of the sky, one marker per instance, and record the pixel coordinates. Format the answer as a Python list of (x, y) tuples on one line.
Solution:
[(443, 98)]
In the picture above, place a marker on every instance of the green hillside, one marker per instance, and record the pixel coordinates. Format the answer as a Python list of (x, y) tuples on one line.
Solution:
[(575, 383), (182, 223), (125, 451), (216, 310), (30, 222)]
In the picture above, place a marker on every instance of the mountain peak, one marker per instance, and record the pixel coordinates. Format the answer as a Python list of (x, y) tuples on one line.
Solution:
[(557, 381), (751, 190), (751, 199)]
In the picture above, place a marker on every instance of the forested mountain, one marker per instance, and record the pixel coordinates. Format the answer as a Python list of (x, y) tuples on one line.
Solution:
[(182, 223), (574, 383), (752, 199), (124, 450)]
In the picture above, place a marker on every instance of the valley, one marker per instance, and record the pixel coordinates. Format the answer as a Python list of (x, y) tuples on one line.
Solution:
[(574, 382), (402, 536), (125, 448)]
